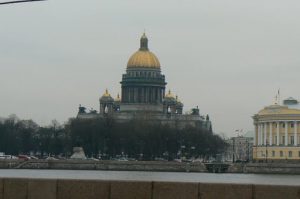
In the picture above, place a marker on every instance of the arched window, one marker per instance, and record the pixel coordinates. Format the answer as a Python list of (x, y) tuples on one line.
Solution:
[(105, 109), (281, 154), (169, 109)]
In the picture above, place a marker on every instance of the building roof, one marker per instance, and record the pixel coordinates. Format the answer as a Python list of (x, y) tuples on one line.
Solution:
[(278, 110), (143, 58), (106, 96), (118, 98), (170, 95)]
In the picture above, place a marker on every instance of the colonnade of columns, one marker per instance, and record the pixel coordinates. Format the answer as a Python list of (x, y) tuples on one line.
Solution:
[(276, 133), (148, 94)]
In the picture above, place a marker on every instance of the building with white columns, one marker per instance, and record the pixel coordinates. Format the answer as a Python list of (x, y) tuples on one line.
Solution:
[(277, 132)]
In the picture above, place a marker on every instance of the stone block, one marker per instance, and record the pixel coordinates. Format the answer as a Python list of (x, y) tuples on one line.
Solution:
[(276, 192), (83, 189), (130, 190), (15, 188), (175, 190), (1, 188), (225, 191), (45, 189)]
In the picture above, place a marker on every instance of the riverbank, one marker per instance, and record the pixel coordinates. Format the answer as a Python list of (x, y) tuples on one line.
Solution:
[(103, 165), (163, 166)]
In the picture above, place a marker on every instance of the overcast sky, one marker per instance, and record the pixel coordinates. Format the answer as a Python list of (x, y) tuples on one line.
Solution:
[(228, 57)]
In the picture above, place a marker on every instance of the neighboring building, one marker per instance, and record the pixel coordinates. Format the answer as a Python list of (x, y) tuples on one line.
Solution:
[(239, 149), (143, 96), (277, 133)]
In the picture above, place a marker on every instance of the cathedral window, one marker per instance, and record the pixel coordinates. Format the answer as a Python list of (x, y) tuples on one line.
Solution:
[(169, 109)]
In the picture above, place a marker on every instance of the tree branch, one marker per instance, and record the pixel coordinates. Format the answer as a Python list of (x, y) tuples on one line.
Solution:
[(20, 1)]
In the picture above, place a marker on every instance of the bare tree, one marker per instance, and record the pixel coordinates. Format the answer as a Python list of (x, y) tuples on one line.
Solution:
[(20, 1)]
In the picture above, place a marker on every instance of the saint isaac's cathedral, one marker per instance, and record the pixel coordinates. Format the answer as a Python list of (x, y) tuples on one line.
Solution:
[(144, 96)]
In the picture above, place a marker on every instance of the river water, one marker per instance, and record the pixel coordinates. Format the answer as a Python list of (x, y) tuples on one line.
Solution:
[(154, 176)]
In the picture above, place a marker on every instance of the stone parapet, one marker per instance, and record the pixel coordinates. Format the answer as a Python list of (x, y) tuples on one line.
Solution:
[(81, 189), (1, 188), (42, 189), (175, 190), (130, 190), (225, 191), (275, 192)]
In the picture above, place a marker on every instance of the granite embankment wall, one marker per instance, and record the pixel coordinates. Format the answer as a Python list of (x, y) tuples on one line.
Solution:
[(103, 165), (265, 168), (272, 168), (92, 189)]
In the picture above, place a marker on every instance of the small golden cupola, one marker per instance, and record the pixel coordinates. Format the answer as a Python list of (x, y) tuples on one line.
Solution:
[(169, 95), (106, 96), (143, 58), (118, 98), (178, 102)]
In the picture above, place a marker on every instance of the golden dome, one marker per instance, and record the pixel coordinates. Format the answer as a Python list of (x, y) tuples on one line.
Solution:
[(106, 97), (143, 57), (118, 99), (106, 94), (169, 95)]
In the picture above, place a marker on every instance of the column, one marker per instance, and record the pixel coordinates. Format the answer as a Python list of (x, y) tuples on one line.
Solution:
[(136, 95), (286, 133), (271, 134), (255, 133), (261, 133), (295, 133), (265, 133), (278, 138), (146, 95), (258, 134)]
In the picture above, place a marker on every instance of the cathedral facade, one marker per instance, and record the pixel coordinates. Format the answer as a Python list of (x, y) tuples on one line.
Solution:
[(144, 96)]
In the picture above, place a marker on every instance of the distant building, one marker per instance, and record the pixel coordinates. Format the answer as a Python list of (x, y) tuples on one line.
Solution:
[(143, 96), (239, 149), (277, 133)]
